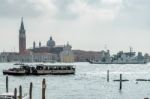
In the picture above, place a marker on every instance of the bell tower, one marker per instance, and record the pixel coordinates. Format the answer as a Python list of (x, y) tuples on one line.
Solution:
[(22, 38)]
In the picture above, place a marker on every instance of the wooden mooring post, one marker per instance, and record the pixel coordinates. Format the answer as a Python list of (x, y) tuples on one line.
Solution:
[(6, 84), (30, 91), (15, 93), (121, 80), (107, 75), (43, 88), (20, 92)]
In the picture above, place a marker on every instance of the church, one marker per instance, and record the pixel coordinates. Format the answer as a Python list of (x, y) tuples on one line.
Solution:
[(48, 53)]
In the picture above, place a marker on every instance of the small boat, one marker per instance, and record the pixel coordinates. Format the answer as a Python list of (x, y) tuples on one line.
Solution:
[(41, 70), (10, 95)]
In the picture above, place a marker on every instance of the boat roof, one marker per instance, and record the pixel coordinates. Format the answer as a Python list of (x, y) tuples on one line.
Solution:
[(45, 65), (55, 65)]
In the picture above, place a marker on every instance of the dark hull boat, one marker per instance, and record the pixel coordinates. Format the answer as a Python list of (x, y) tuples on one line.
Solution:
[(41, 70), (129, 62)]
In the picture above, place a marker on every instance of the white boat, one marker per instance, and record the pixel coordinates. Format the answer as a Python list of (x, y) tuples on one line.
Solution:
[(10, 95)]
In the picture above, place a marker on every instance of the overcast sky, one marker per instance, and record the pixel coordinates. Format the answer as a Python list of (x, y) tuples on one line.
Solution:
[(86, 24)]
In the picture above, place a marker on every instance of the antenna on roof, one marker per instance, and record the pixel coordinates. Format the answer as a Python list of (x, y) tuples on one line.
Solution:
[(105, 47)]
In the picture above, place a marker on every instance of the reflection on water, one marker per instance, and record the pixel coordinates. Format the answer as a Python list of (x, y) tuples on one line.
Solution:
[(89, 82)]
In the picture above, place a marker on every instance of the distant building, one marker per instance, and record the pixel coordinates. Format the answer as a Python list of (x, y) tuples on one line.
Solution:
[(82, 56), (44, 57), (28, 57), (49, 48), (67, 54), (50, 52), (8, 56)]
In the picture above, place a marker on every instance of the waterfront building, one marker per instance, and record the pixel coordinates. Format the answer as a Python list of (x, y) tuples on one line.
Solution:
[(82, 56), (49, 48), (37, 57), (44, 57), (3, 57), (8, 56), (67, 54), (27, 57)]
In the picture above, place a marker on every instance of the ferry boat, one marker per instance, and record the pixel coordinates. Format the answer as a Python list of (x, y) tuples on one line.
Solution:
[(41, 70), (10, 95)]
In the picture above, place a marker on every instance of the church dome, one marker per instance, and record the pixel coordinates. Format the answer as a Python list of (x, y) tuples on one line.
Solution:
[(51, 42)]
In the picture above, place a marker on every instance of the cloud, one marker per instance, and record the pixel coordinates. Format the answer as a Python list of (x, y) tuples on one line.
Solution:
[(103, 11), (99, 12), (125, 13), (134, 14), (116, 12), (59, 9), (18, 8)]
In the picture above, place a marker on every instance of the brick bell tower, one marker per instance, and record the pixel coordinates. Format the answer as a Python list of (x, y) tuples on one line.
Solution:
[(22, 38)]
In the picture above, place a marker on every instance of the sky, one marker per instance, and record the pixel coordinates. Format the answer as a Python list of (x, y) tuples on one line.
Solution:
[(91, 25)]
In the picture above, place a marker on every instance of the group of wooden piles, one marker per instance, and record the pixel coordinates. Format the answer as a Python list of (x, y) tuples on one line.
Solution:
[(30, 89)]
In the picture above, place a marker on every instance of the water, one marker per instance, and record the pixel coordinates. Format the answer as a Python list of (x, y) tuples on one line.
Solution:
[(89, 82)]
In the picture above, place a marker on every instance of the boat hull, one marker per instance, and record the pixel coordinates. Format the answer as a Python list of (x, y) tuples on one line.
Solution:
[(95, 62), (13, 73), (53, 73), (41, 70)]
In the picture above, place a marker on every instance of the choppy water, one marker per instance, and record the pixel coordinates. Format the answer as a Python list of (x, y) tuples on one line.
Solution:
[(89, 82)]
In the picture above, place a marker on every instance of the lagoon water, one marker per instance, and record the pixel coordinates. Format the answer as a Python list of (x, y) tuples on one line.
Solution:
[(89, 82)]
